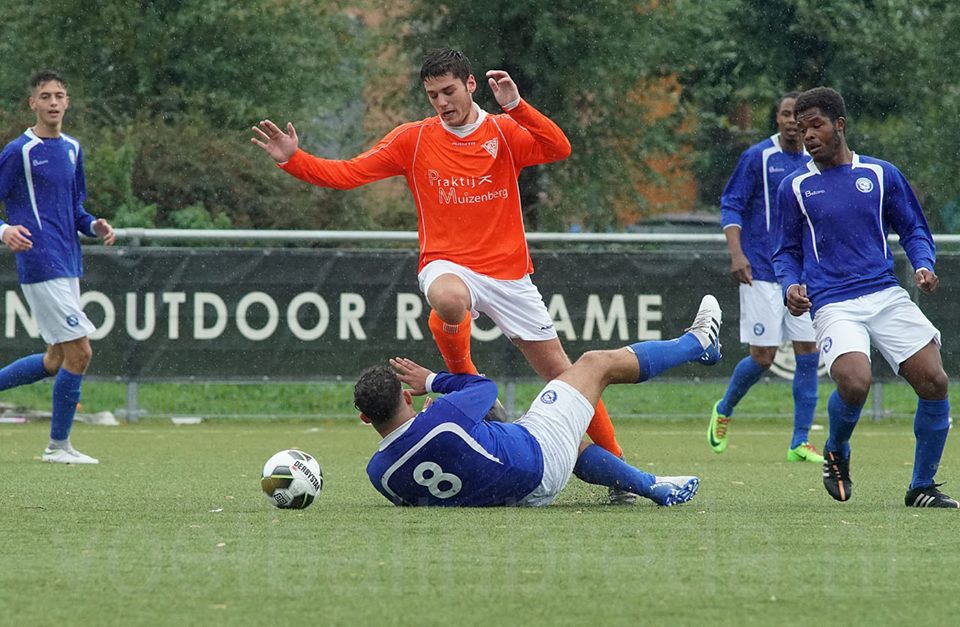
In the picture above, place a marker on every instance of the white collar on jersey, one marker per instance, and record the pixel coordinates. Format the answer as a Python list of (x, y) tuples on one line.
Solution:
[(396, 433), (466, 129)]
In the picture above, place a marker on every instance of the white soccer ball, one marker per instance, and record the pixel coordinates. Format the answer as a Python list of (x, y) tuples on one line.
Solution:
[(291, 479)]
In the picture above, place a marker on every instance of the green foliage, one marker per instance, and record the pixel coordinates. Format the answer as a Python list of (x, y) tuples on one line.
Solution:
[(582, 69), (163, 92), (895, 62)]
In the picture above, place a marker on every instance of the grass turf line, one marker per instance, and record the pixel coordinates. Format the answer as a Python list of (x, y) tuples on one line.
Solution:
[(138, 540)]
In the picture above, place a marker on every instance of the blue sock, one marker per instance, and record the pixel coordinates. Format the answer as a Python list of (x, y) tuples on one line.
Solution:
[(804, 397), (601, 467), (66, 395), (657, 356), (25, 370), (744, 376), (930, 425), (843, 419)]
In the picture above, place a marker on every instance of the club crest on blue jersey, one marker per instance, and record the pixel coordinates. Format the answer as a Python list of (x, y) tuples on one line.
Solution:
[(864, 185), (758, 328), (548, 397), (827, 345), (73, 320), (73, 157)]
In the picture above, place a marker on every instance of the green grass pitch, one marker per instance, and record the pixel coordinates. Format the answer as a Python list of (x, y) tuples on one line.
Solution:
[(171, 529)]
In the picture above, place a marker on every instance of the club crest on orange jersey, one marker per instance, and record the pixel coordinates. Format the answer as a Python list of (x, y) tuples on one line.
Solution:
[(491, 146)]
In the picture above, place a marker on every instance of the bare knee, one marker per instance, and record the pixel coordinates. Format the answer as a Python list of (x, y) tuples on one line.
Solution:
[(932, 387), (607, 366), (854, 387), (450, 298), (763, 355), (77, 356)]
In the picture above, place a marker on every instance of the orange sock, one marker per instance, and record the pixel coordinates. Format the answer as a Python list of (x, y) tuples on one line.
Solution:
[(601, 431), (453, 340)]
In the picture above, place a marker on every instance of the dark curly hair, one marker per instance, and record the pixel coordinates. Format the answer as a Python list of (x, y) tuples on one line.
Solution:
[(828, 100), (377, 393), (445, 61)]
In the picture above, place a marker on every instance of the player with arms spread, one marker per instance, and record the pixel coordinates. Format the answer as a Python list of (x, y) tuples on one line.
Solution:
[(43, 187), (462, 167), (448, 455), (835, 216)]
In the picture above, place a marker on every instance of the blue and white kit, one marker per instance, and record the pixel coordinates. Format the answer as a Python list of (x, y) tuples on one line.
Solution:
[(43, 187), (748, 198), (834, 226)]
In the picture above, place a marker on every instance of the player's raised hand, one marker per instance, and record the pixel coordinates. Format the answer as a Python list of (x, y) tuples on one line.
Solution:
[(274, 141), (503, 87), (104, 231), (797, 301), (927, 280), (17, 238), (411, 373)]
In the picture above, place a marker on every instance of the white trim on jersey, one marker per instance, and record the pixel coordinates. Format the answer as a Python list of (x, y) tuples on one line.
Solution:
[(811, 171), (446, 427), (878, 171), (28, 172), (765, 156)]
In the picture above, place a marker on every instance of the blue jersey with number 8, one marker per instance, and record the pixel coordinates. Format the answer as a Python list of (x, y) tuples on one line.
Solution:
[(448, 455)]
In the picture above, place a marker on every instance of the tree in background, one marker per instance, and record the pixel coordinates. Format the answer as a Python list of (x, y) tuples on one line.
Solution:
[(589, 72), (164, 92), (895, 62), (657, 97)]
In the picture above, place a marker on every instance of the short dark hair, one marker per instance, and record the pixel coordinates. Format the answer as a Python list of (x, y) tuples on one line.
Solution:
[(377, 393), (787, 96), (445, 61), (45, 76), (828, 100)]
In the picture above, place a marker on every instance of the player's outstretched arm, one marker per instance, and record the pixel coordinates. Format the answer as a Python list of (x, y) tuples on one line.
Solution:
[(279, 145), (104, 231), (411, 373)]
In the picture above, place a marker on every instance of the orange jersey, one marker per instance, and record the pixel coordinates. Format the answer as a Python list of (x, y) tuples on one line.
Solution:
[(465, 189)]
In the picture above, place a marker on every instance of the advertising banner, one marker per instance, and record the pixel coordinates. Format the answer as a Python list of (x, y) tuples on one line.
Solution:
[(309, 314)]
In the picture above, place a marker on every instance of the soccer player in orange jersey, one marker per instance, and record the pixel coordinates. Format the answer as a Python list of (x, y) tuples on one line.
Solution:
[(461, 167)]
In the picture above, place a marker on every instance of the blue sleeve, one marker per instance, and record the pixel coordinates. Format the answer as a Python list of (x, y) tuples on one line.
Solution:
[(739, 190), (471, 394), (904, 214), (82, 220), (8, 174), (788, 253)]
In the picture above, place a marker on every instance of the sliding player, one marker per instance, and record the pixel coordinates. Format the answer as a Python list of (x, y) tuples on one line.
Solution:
[(447, 455)]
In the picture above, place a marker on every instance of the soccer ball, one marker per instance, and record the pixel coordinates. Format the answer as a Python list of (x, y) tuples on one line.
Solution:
[(291, 479)]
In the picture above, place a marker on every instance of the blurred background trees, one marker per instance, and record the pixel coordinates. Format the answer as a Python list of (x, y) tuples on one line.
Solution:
[(658, 97)]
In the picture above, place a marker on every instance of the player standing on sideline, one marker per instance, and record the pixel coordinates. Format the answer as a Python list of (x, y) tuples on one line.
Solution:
[(461, 167), (447, 455), (43, 187), (745, 212), (835, 216)]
